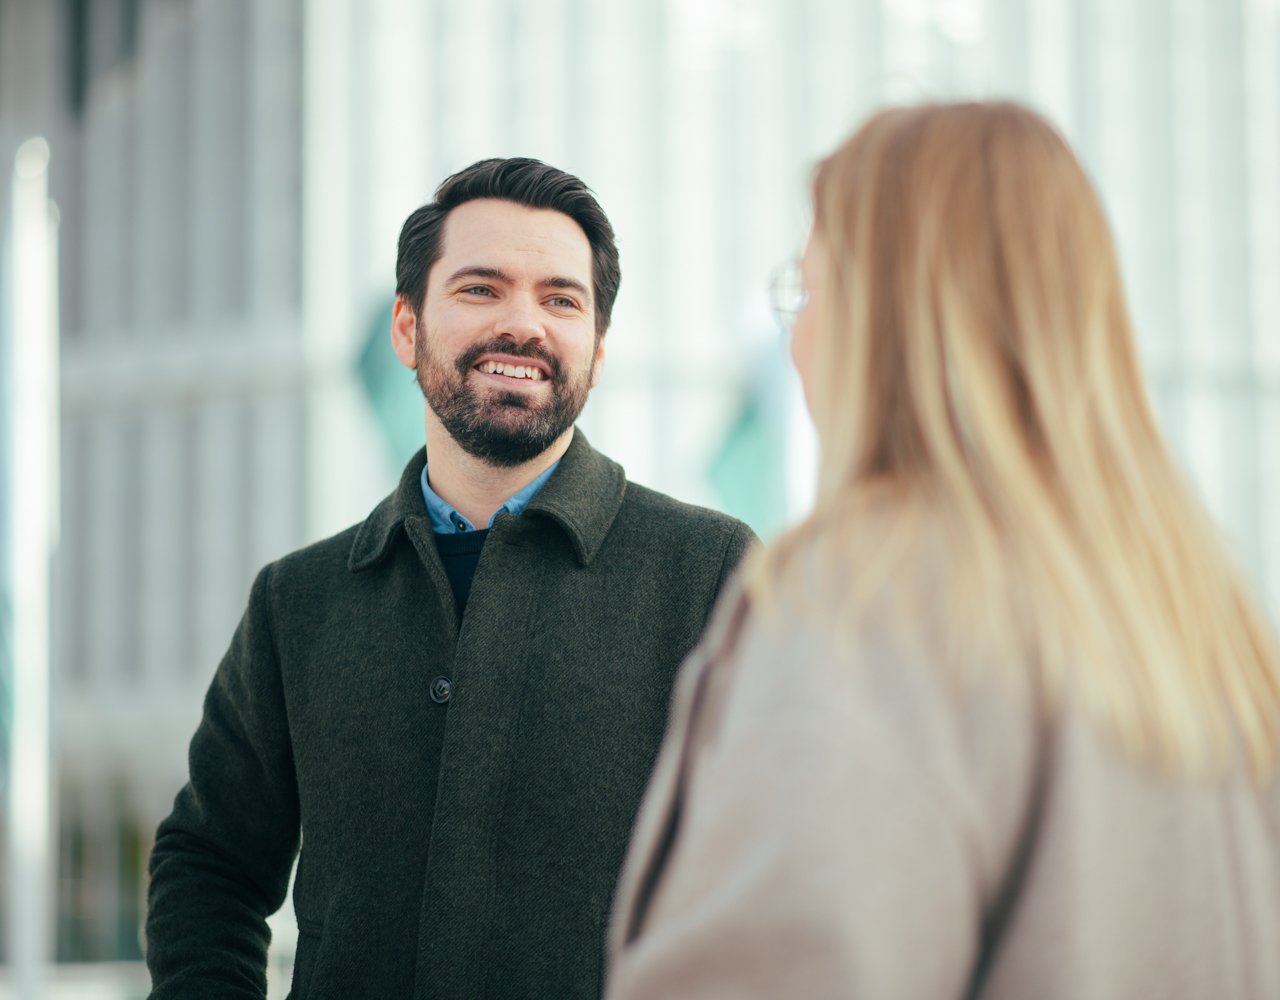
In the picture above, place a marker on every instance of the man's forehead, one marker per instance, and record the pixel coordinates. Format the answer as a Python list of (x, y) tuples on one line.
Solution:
[(486, 229)]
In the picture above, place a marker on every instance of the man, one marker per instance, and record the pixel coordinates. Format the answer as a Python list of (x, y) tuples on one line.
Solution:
[(453, 706)]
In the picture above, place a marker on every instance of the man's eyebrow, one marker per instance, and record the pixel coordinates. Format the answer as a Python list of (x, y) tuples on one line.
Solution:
[(570, 283), (479, 271)]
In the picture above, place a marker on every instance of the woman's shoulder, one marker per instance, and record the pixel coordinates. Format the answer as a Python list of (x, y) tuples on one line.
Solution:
[(856, 573), (872, 700)]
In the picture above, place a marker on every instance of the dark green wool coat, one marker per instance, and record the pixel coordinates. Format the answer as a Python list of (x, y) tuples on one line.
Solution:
[(466, 849)]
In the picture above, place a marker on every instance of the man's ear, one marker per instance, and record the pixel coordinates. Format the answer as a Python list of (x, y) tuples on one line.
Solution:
[(597, 364), (404, 332)]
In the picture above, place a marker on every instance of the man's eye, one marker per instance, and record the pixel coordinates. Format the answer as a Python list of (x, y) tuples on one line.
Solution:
[(563, 302), (476, 290)]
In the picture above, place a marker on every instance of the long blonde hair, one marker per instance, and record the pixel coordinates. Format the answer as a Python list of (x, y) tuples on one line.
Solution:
[(975, 363)]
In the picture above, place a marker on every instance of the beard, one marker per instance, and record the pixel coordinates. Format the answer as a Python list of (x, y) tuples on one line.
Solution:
[(504, 429)]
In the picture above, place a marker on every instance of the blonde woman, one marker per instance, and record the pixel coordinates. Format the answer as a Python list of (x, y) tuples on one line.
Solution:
[(999, 719)]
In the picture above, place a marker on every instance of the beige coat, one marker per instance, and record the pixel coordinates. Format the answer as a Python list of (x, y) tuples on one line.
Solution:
[(832, 818)]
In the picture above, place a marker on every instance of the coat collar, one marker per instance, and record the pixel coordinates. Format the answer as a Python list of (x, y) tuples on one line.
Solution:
[(582, 496)]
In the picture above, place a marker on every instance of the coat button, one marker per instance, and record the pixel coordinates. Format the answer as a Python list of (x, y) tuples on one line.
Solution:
[(441, 690)]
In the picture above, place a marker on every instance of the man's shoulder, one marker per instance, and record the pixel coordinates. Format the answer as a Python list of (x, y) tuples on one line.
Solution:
[(320, 558), (359, 544), (691, 550), (649, 509)]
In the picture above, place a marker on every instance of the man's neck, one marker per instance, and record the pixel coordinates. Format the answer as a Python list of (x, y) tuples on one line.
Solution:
[(473, 487)]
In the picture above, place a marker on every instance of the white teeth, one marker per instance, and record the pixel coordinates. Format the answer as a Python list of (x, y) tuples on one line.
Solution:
[(511, 371)]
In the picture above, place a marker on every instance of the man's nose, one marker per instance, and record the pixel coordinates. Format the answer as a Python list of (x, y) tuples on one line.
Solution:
[(521, 320)]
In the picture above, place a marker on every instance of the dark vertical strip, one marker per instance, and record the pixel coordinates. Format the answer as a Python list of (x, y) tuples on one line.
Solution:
[(131, 855), (78, 252), (100, 876), (129, 23), (78, 54), (71, 944), (104, 23)]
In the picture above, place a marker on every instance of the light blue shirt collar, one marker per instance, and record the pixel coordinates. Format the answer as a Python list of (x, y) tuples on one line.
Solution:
[(447, 521)]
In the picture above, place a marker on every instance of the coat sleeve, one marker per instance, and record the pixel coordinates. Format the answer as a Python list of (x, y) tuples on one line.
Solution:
[(829, 841), (222, 858)]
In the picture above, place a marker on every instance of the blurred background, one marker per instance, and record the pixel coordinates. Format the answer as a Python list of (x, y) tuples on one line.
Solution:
[(199, 201)]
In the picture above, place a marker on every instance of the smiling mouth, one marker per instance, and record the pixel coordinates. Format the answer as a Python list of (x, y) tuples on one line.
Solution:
[(516, 373)]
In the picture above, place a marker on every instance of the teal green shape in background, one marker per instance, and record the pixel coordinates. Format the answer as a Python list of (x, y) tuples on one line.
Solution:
[(748, 469), (391, 389)]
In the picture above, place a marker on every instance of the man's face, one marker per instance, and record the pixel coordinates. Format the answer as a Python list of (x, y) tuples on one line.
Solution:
[(505, 347)]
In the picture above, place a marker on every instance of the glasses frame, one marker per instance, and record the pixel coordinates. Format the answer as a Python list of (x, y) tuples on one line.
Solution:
[(787, 294)]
